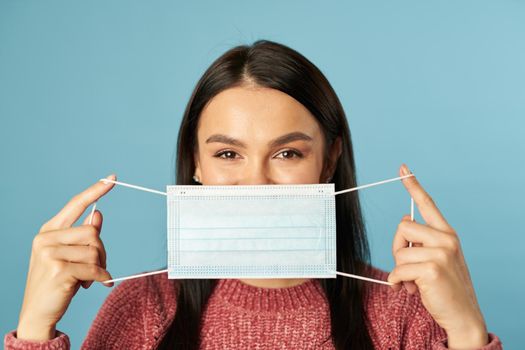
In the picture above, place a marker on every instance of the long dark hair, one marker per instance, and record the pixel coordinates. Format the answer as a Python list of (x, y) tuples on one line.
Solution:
[(272, 65)]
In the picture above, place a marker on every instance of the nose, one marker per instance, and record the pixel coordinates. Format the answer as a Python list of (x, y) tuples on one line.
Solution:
[(255, 173)]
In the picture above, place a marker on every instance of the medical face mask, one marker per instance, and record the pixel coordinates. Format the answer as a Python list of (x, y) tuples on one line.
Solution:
[(254, 231), (274, 231)]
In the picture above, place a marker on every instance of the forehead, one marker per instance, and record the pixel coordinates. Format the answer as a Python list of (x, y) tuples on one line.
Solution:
[(255, 114)]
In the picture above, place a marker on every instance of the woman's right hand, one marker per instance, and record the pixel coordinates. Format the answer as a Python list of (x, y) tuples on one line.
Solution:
[(63, 257)]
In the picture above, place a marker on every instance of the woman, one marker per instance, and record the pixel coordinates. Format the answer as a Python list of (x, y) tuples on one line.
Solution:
[(263, 114)]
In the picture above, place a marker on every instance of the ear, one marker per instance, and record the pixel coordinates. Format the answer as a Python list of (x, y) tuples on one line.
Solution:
[(197, 171), (333, 156)]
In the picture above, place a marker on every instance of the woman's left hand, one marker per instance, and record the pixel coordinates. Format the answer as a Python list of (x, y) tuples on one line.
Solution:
[(436, 267)]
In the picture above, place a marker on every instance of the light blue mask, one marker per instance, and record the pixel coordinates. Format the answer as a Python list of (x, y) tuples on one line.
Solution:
[(259, 231), (272, 231)]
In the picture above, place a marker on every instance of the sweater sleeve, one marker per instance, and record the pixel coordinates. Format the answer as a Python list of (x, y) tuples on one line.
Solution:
[(135, 315), (424, 332), (398, 320), (60, 342), (120, 321), (120, 314)]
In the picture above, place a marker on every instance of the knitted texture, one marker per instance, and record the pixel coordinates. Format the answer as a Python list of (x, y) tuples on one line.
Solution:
[(137, 314)]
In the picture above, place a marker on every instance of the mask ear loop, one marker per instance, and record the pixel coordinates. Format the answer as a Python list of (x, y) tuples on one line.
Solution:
[(132, 276), (92, 213), (349, 275), (411, 215), (140, 188)]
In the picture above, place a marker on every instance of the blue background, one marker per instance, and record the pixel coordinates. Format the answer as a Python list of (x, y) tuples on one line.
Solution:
[(94, 87)]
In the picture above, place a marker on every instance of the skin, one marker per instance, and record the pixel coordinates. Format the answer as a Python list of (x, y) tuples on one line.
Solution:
[(64, 257), (255, 117)]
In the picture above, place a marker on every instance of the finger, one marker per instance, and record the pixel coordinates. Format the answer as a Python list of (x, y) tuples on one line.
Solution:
[(410, 287), (76, 253), (96, 221), (78, 204), (400, 242), (411, 231), (89, 272), (423, 254), (85, 235), (417, 272), (405, 273), (425, 204)]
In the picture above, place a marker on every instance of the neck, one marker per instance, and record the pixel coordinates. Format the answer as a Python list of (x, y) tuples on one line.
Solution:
[(274, 283)]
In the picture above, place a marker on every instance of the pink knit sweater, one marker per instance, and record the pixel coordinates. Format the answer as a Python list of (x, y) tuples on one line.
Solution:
[(137, 313)]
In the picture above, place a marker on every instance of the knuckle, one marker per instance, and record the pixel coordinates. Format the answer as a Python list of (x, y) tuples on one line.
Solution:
[(74, 200), (428, 200), (68, 288), (399, 256), (44, 227), (433, 271), (395, 273), (92, 232), (79, 200), (95, 230), (93, 270), (38, 241), (46, 253), (57, 268), (396, 244), (395, 254), (97, 244), (402, 229), (443, 255), (403, 226), (392, 275), (452, 243), (92, 254)]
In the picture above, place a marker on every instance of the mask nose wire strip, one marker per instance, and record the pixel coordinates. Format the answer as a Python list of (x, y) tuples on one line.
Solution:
[(335, 193)]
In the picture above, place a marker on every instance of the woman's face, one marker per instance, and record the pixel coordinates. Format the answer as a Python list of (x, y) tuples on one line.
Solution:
[(253, 135)]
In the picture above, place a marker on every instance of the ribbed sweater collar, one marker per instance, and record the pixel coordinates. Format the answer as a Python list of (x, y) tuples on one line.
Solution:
[(258, 299)]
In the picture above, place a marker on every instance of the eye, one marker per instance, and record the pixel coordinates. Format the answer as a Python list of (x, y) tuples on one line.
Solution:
[(229, 155), (290, 154)]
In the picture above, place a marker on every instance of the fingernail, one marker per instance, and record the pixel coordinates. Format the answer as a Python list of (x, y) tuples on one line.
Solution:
[(404, 169), (111, 177)]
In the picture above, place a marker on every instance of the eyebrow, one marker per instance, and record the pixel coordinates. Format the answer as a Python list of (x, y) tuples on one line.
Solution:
[(281, 140)]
